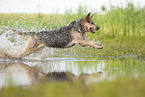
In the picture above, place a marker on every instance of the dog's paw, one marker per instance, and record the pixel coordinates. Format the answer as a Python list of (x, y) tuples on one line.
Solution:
[(99, 47)]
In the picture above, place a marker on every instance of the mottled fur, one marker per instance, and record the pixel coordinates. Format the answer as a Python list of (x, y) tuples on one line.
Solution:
[(64, 37)]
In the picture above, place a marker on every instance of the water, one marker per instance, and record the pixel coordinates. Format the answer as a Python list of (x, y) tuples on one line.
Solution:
[(29, 71)]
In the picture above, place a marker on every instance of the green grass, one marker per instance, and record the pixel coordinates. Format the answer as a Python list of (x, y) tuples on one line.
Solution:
[(122, 30), (112, 47), (115, 23), (126, 22), (118, 88)]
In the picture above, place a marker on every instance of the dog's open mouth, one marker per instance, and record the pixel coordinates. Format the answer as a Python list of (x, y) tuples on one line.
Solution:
[(92, 30)]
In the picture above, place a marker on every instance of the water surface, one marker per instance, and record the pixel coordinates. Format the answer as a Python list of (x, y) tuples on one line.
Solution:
[(29, 71)]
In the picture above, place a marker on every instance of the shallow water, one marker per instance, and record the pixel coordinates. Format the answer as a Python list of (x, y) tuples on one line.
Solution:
[(29, 71)]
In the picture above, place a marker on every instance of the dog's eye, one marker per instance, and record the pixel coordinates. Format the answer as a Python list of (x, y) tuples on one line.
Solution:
[(92, 23), (89, 22)]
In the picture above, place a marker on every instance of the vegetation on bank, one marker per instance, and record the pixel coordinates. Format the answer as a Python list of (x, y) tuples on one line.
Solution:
[(117, 88), (117, 22), (122, 30)]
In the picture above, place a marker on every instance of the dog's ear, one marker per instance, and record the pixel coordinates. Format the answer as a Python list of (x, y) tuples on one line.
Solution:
[(87, 18), (92, 16), (89, 14)]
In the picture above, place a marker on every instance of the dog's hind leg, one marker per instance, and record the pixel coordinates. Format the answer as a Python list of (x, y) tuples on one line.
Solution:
[(32, 44)]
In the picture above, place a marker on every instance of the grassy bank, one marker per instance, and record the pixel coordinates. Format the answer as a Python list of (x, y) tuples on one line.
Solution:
[(122, 30), (125, 22), (112, 47), (117, 22), (116, 88)]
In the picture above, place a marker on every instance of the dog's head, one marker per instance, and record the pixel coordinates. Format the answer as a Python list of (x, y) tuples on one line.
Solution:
[(89, 25)]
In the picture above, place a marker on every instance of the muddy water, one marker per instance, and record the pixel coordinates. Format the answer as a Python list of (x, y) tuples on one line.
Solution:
[(29, 71)]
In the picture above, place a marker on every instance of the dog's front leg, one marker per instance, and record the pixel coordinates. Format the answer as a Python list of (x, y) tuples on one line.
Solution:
[(71, 44), (89, 43), (97, 43)]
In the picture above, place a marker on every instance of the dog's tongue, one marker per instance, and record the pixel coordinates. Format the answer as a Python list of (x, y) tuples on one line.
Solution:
[(92, 29)]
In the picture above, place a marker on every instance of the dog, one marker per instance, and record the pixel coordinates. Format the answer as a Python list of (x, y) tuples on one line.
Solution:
[(64, 37)]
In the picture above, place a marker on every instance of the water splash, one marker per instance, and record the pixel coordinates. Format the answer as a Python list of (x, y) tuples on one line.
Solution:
[(8, 48), (11, 46)]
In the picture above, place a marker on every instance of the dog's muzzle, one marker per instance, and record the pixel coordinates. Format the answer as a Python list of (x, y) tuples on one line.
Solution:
[(94, 30)]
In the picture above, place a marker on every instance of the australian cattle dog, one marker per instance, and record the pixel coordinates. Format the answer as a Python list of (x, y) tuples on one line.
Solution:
[(64, 37)]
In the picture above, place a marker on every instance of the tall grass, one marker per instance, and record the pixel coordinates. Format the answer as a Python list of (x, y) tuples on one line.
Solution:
[(124, 21), (118, 21)]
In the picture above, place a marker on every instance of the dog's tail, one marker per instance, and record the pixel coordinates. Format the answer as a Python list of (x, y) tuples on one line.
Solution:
[(23, 33)]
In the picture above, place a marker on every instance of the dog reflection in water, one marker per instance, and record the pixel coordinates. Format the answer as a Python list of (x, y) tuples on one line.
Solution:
[(33, 76)]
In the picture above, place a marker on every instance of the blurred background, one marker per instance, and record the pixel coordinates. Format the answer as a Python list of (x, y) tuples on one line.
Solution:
[(60, 6)]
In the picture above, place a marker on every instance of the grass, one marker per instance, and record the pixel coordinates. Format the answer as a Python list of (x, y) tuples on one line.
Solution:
[(122, 30), (117, 88), (112, 47), (117, 22), (125, 22)]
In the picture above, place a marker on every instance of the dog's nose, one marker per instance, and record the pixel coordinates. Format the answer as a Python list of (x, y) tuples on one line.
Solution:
[(97, 28)]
